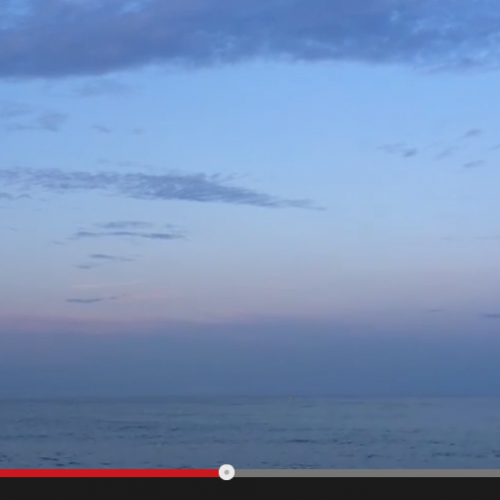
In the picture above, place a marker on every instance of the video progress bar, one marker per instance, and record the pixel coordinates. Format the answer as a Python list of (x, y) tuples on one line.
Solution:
[(365, 473)]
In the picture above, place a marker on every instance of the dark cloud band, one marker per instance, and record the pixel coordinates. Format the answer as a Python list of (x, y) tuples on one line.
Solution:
[(56, 38), (187, 187)]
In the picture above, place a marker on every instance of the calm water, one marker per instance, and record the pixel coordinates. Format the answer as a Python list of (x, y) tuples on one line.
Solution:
[(251, 433)]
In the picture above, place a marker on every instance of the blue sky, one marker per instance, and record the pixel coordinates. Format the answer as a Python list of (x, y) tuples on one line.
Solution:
[(223, 197)]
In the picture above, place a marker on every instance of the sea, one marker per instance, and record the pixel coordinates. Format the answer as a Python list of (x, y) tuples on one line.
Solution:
[(251, 433)]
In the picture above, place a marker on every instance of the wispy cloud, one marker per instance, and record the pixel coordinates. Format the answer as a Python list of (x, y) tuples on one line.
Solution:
[(490, 316), (43, 39), (400, 149), (446, 153), (488, 238), (14, 109), (33, 119), (85, 301), (472, 133), (98, 260), (100, 87), (13, 197), (102, 129), (440, 150), (127, 224), (48, 121), (198, 187), (126, 163), (435, 311), (125, 229), (127, 234), (51, 121), (110, 258), (87, 267), (100, 286), (459, 144), (96, 300), (474, 164)]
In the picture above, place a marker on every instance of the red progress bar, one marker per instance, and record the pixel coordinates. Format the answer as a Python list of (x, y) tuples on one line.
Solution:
[(111, 473)]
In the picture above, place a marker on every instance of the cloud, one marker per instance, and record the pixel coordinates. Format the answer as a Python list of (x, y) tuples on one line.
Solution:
[(49, 121), (409, 153), (100, 87), (85, 301), (198, 187), (95, 300), (11, 111), (458, 145), (110, 258), (488, 238), (13, 197), (400, 149), (474, 164), (491, 316), (127, 234), (435, 311), (100, 286), (86, 267), (446, 153), (471, 134), (14, 109), (126, 225), (100, 259), (43, 39), (83, 356), (102, 129), (125, 229), (126, 163)]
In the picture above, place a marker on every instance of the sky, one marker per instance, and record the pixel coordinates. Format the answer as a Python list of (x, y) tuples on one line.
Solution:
[(249, 197)]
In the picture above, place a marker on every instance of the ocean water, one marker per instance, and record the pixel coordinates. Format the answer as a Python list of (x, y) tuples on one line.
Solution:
[(251, 433)]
